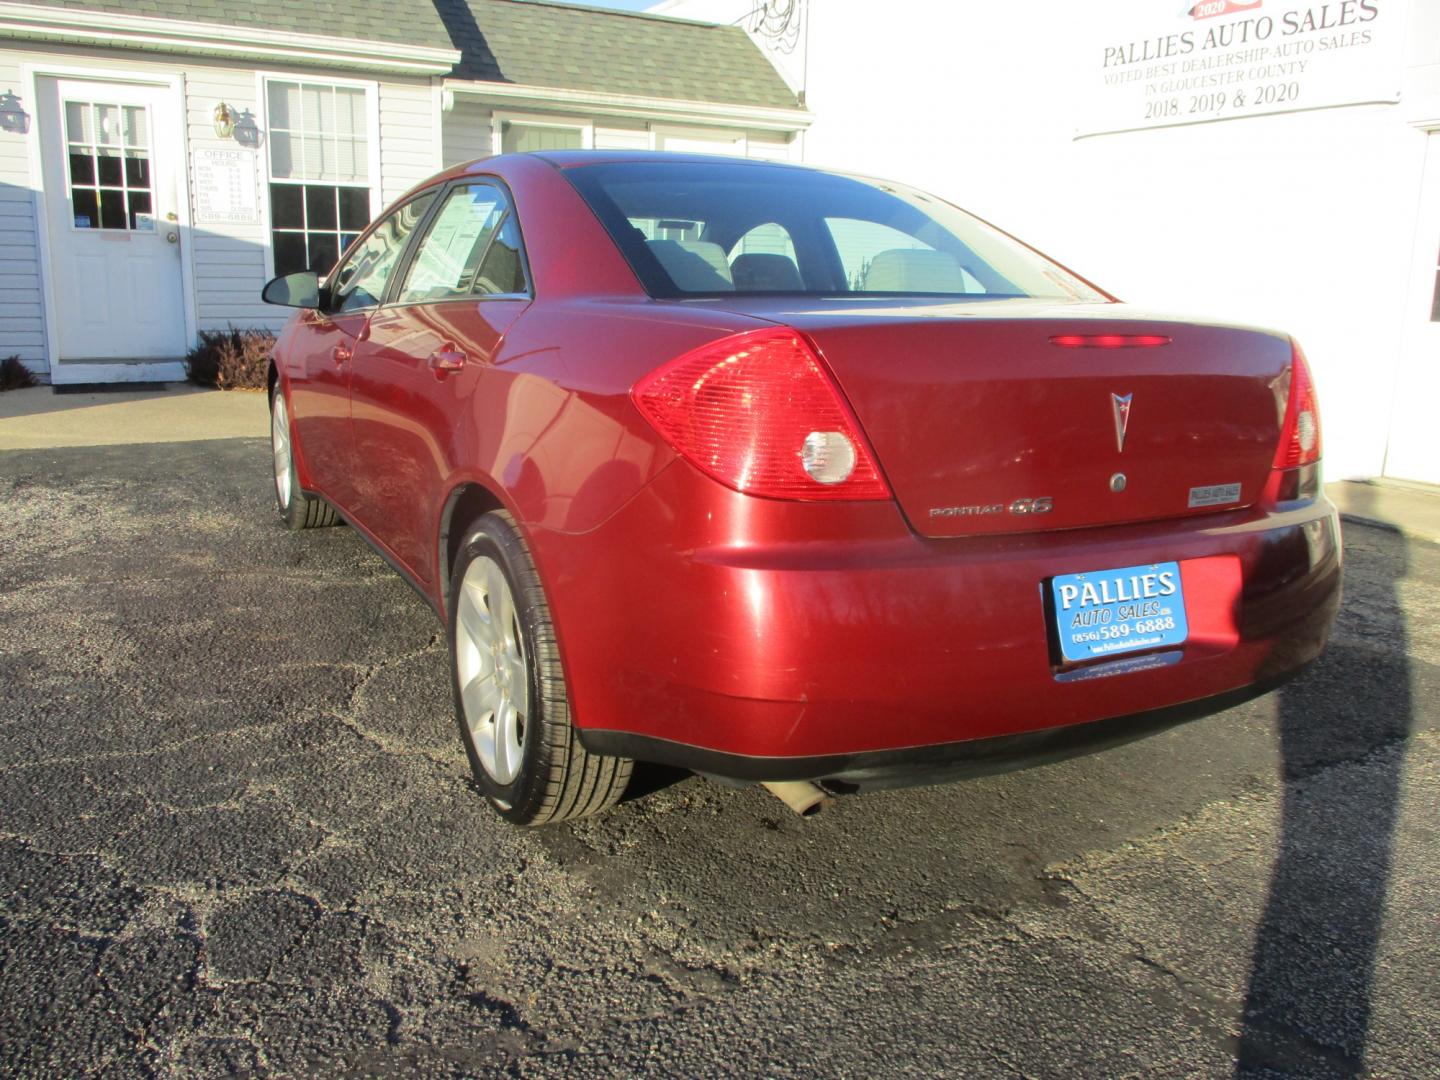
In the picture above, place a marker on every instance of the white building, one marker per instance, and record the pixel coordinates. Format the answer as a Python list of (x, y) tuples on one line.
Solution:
[(1268, 161), (159, 162)]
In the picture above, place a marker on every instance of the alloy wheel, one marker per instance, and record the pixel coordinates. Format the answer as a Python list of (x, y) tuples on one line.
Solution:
[(491, 664), (280, 447)]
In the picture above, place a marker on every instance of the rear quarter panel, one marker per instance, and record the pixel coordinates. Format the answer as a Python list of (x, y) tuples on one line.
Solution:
[(547, 425)]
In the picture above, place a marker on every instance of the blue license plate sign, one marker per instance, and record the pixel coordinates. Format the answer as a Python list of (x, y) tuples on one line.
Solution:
[(1110, 612)]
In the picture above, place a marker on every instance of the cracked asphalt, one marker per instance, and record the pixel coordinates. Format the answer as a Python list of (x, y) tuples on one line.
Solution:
[(236, 836)]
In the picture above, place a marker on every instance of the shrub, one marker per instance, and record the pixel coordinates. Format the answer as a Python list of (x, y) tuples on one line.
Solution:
[(231, 359), (14, 375)]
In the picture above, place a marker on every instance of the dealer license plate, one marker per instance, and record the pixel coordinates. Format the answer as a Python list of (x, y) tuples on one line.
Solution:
[(1110, 612)]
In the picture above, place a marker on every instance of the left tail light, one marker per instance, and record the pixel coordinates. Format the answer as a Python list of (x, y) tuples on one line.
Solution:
[(759, 413)]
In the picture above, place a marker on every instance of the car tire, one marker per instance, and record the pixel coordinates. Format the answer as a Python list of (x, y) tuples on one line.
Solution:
[(297, 510), (511, 697)]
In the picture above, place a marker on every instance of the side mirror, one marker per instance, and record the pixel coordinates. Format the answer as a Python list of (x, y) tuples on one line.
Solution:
[(300, 290)]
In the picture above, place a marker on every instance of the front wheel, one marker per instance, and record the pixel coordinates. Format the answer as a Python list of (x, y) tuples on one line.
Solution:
[(511, 700), (297, 510)]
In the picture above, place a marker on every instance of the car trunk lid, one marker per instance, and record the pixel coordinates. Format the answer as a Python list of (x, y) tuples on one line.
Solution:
[(1010, 416)]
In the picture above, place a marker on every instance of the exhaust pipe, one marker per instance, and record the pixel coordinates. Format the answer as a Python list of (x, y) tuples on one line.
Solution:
[(805, 798)]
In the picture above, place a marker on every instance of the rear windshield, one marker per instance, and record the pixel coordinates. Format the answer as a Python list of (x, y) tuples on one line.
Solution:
[(708, 228)]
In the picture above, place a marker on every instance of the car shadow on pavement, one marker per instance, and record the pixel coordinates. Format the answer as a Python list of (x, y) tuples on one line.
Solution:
[(1308, 1003), (648, 778)]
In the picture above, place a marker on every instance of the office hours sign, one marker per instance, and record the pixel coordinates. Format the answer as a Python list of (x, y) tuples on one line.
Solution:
[(1160, 63), (225, 187)]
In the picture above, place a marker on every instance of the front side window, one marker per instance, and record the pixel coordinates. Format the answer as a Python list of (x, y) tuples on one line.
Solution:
[(471, 249), (108, 154), (360, 282), (755, 228), (319, 153)]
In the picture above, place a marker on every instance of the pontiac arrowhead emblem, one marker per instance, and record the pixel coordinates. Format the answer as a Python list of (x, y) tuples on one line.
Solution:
[(1120, 405)]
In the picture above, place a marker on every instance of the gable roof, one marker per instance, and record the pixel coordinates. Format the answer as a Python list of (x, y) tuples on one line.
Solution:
[(602, 50), (524, 43), (398, 22)]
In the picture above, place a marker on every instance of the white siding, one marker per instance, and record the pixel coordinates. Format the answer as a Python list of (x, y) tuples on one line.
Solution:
[(466, 131), (701, 140), (772, 148), (468, 127), (22, 319), (614, 137), (409, 143), (229, 260)]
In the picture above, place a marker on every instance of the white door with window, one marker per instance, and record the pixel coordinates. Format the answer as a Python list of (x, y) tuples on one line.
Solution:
[(1414, 448), (111, 152)]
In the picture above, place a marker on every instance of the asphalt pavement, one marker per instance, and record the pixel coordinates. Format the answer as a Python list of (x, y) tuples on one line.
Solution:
[(237, 836)]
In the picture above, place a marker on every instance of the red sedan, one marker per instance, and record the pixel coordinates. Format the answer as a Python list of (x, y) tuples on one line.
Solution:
[(781, 475)]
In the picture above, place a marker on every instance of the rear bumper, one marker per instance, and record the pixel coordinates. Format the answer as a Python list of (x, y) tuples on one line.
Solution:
[(738, 637), (917, 765)]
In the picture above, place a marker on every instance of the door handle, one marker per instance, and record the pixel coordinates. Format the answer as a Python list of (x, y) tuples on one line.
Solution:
[(445, 360), (341, 354)]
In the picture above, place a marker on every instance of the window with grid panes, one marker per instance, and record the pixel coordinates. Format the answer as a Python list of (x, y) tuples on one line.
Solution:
[(108, 152), (522, 138), (319, 153)]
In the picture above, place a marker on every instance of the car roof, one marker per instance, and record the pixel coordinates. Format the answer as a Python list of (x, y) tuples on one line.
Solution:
[(505, 165), (566, 159)]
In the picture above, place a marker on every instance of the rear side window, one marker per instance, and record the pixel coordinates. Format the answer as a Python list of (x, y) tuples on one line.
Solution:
[(502, 271), (696, 228), (471, 249)]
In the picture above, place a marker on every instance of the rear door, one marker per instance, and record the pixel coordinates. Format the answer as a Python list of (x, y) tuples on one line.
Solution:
[(425, 370)]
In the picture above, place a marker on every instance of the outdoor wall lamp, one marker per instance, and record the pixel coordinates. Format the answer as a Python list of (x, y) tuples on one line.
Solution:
[(13, 117), (224, 121)]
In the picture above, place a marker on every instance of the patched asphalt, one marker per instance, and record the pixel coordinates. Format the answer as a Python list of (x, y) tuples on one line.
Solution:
[(237, 836)]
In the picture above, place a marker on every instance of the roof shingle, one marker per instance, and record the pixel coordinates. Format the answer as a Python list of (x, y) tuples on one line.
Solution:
[(526, 42), (572, 47), (401, 22)]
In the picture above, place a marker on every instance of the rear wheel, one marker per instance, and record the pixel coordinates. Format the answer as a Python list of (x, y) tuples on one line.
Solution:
[(297, 510), (511, 699)]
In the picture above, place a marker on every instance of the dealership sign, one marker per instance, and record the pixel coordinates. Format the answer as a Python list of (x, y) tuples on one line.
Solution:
[(1161, 63)]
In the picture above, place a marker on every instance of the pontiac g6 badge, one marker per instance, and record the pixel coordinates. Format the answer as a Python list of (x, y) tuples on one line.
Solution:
[(1041, 504), (1120, 405)]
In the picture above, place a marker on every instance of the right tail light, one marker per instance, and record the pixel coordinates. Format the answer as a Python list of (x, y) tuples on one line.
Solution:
[(1300, 432), (1296, 471)]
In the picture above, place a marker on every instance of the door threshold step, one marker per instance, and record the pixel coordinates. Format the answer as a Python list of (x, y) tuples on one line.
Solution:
[(82, 361), (134, 372), (109, 387)]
